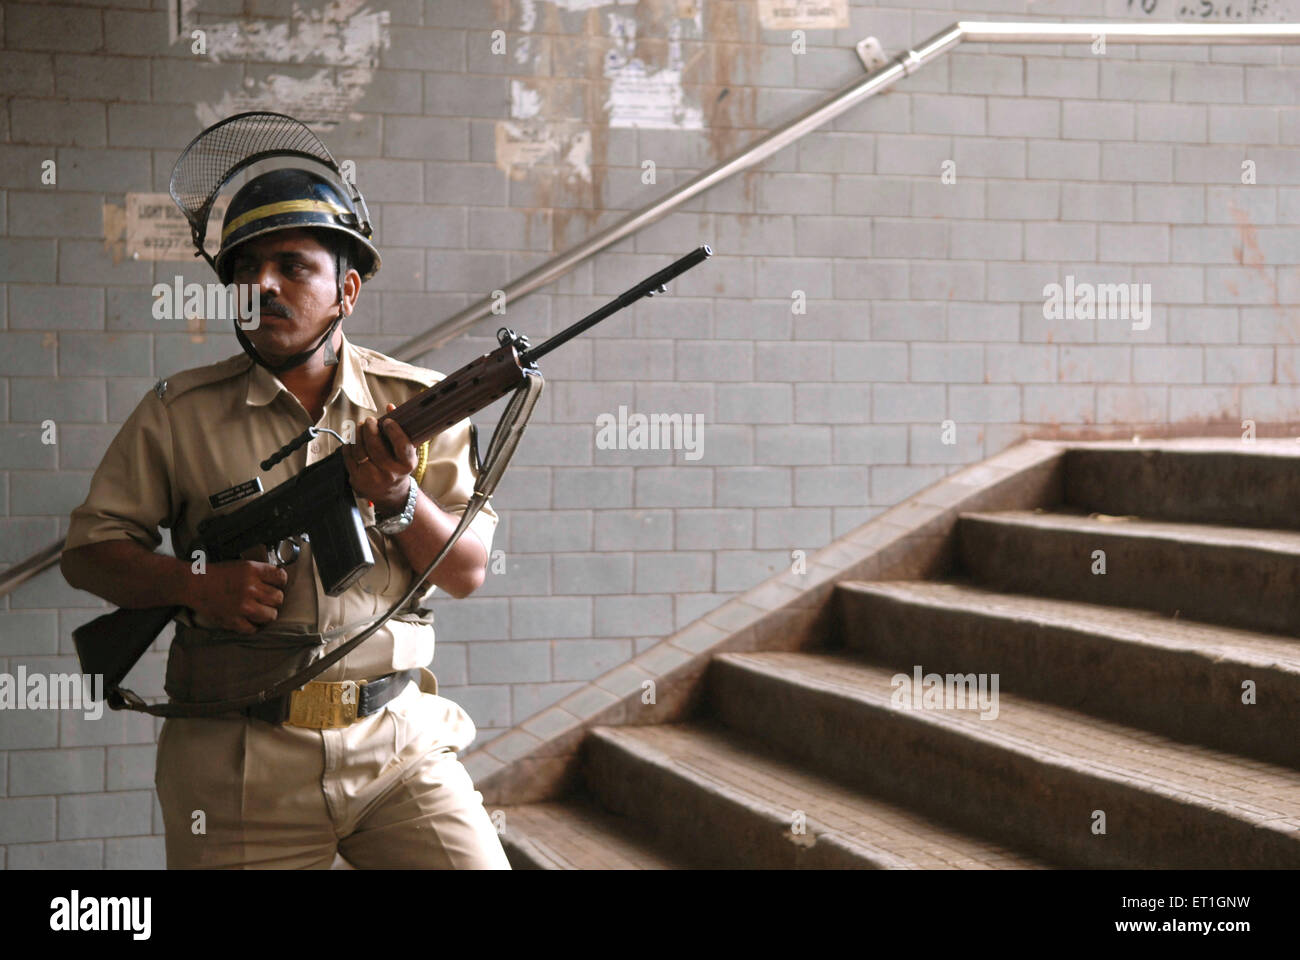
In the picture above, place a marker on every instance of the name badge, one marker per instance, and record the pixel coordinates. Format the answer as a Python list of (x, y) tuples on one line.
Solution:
[(241, 491)]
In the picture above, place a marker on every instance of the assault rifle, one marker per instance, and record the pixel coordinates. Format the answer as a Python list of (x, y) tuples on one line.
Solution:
[(318, 504)]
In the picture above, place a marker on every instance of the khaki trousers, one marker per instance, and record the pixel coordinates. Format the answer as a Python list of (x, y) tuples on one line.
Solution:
[(385, 792)]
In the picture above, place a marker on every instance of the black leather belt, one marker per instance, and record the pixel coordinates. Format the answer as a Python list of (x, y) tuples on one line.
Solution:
[(371, 697)]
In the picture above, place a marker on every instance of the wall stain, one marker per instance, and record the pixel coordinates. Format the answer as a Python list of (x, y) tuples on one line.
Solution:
[(115, 231), (1250, 255), (574, 90)]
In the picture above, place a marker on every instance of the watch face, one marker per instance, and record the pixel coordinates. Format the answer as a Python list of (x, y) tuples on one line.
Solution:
[(394, 525)]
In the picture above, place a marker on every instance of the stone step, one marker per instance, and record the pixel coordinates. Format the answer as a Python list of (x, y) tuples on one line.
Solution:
[(575, 834), (1202, 481), (1036, 776), (1239, 577), (1177, 677), (732, 804)]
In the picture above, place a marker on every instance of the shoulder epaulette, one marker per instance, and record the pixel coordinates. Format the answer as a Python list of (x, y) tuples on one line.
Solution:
[(384, 366), (169, 388)]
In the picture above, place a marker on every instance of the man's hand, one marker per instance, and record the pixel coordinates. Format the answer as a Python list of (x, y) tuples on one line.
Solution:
[(239, 595), (380, 475), (377, 473)]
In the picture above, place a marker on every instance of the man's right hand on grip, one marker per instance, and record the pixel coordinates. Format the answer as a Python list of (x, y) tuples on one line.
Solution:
[(239, 595)]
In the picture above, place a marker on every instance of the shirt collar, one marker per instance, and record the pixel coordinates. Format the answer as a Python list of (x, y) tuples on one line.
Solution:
[(264, 386)]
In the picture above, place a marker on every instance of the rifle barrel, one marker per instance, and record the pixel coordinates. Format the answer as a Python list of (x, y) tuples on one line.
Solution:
[(645, 288)]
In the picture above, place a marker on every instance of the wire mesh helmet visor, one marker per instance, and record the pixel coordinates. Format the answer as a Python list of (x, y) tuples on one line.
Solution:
[(218, 153)]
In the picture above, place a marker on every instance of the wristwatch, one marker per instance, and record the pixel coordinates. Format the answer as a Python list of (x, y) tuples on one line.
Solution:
[(396, 524)]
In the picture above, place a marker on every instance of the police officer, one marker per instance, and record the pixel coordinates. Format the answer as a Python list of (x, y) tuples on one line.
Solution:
[(290, 783)]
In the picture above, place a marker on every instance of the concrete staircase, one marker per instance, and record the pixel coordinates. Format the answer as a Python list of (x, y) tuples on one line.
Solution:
[(1116, 736)]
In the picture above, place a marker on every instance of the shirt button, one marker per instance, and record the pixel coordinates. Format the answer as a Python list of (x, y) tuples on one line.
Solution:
[(314, 446)]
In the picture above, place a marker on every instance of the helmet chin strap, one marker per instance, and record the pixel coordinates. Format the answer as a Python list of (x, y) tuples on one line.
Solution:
[(298, 359)]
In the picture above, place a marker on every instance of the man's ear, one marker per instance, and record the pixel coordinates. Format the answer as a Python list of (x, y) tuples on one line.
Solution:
[(351, 290)]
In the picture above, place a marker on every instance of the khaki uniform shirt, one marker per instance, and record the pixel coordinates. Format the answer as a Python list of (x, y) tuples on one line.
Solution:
[(205, 430)]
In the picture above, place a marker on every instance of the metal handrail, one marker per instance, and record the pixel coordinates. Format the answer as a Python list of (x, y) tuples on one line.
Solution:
[(902, 65)]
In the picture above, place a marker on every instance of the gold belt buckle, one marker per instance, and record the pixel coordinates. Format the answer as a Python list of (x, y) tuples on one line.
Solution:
[(323, 705)]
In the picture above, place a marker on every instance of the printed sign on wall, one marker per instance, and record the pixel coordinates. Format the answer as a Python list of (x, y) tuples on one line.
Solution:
[(157, 230), (803, 14)]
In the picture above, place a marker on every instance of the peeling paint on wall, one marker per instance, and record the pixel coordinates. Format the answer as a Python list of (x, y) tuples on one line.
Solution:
[(342, 37), (525, 102)]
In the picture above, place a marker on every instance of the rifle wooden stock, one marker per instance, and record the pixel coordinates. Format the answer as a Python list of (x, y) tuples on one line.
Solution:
[(111, 644)]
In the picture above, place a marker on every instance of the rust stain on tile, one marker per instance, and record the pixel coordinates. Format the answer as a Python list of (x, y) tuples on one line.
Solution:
[(1250, 255)]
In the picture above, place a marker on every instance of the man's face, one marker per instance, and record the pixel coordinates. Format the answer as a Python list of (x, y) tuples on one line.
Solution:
[(298, 289)]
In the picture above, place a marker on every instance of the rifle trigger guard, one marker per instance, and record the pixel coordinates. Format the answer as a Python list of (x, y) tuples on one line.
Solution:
[(276, 556)]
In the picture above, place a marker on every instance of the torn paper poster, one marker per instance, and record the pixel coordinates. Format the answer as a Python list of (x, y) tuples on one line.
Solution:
[(321, 101), (803, 14), (341, 37), (590, 4), (644, 96), (550, 128), (639, 97), (524, 144)]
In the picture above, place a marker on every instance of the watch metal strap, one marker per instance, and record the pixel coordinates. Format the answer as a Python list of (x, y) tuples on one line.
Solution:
[(399, 522)]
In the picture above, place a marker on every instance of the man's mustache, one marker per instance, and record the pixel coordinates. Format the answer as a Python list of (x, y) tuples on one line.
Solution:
[(275, 308)]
